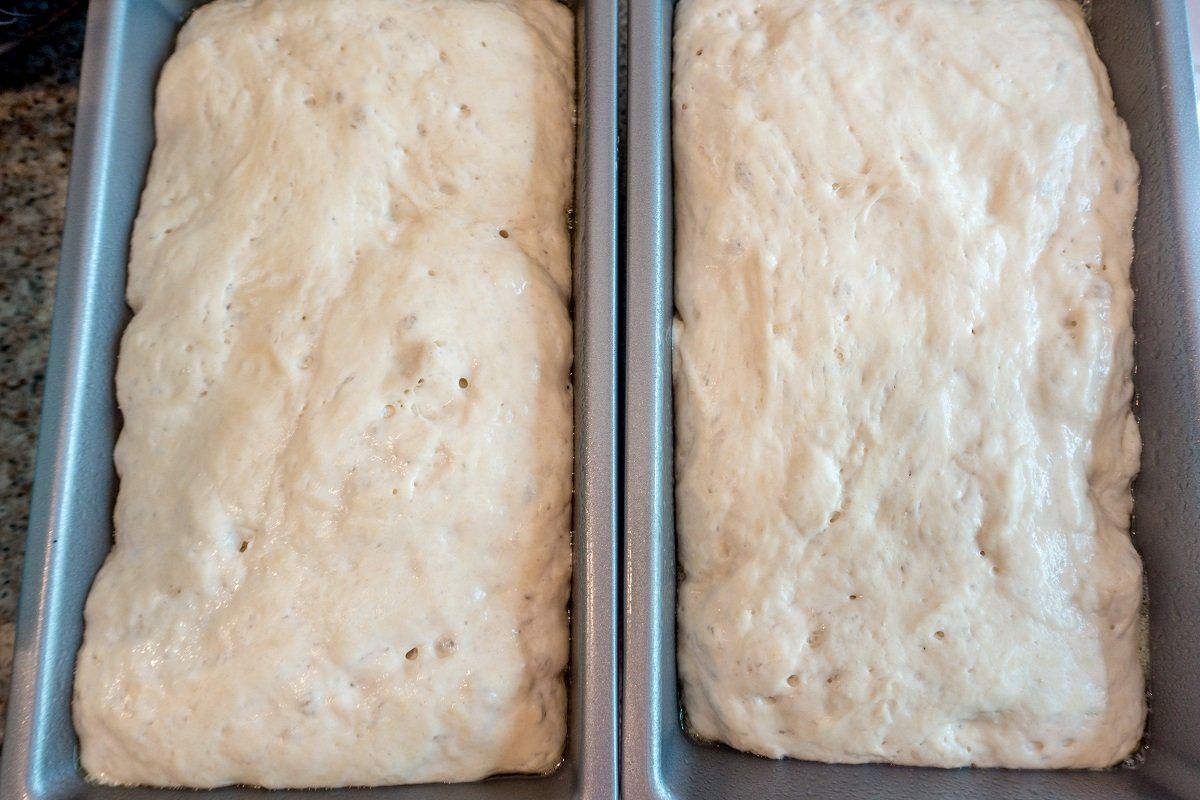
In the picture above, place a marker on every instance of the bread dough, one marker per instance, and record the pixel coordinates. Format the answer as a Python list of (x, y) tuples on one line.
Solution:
[(342, 536), (902, 384)]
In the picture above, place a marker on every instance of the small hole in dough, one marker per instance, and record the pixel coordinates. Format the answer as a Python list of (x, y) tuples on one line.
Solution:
[(411, 655)]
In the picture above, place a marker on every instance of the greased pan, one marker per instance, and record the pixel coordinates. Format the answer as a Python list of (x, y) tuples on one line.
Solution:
[(1144, 43), (70, 519)]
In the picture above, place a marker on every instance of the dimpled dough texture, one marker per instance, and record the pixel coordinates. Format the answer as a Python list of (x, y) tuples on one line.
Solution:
[(342, 534), (902, 375)]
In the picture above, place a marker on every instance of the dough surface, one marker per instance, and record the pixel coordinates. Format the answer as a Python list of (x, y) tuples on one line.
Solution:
[(902, 368), (342, 535)]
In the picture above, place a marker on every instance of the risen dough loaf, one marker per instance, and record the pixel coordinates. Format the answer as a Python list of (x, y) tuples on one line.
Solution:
[(902, 374), (342, 533)]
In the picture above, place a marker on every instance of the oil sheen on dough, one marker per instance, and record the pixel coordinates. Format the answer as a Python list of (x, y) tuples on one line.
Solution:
[(902, 381), (342, 535)]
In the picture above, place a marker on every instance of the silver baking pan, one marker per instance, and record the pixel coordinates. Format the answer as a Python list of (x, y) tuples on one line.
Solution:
[(70, 519), (1144, 43)]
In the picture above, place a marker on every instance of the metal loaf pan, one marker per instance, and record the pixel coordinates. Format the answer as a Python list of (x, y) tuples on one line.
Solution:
[(1145, 46), (70, 520)]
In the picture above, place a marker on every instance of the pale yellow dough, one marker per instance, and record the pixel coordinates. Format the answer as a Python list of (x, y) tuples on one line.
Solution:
[(342, 536), (902, 384)]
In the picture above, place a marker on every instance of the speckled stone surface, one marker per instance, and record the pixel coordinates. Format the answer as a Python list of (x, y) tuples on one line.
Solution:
[(39, 82)]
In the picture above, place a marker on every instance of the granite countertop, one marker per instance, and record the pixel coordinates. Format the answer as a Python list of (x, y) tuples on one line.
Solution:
[(39, 83)]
